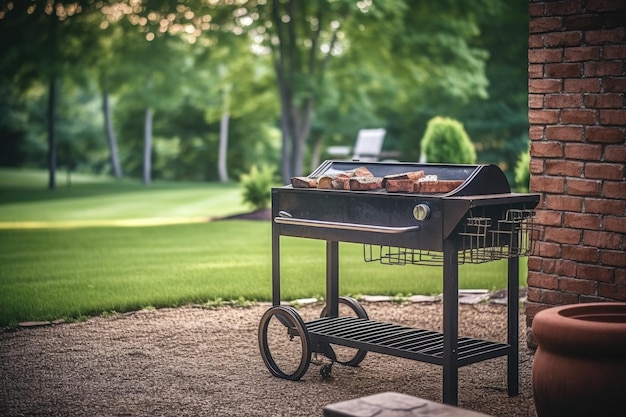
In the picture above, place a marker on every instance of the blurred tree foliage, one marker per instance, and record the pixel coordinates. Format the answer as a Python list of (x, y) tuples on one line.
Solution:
[(446, 141), (169, 71)]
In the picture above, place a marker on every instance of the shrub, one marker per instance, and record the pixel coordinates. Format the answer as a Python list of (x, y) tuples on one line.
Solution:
[(445, 141), (522, 172), (257, 187)]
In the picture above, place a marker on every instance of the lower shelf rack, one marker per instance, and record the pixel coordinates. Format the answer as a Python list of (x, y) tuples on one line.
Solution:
[(401, 341)]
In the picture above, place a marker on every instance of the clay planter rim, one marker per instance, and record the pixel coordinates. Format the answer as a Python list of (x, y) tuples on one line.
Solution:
[(582, 329)]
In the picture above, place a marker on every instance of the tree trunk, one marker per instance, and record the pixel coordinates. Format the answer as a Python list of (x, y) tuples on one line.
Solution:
[(110, 134), (147, 149), (223, 150), (52, 139)]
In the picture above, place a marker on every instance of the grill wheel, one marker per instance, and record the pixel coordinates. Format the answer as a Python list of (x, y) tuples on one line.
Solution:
[(345, 355), (284, 342)]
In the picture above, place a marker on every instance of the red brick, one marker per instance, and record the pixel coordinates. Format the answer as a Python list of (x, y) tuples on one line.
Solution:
[(535, 71), (594, 272), (564, 167), (613, 117), (578, 286), (548, 250), (543, 116), (562, 39), (536, 166), (542, 56), (558, 297), (547, 184), (534, 263), (615, 153), (535, 9), (605, 206), (614, 52), (562, 101), (562, 235), (582, 221), (604, 171), (535, 132), (615, 224), (535, 41), (581, 53), (614, 85), (604, 5), (603, 68), (541, 280), (584, 187), (546, 149), (534, 294), (604, 101), (615, 292), (580, 253), (548, 218), (601, 134), (587, 85), (563, 70), (582, 22), (544, 24), (561, 8), (614, 189), (565, 133), (545, 86), (620, 276), (535, 101), (563, 203), (604, 240), (588, 152), (613, 258), (565, 268), (603, 37), (548, 266), (580, 117)]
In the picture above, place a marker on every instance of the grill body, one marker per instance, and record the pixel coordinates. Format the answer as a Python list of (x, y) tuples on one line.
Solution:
[(479, 221)]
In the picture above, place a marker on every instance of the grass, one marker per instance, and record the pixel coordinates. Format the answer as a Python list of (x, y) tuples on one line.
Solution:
[(63, 269)]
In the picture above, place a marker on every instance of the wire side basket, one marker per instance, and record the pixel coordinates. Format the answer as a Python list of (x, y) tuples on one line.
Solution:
[(483, 239)]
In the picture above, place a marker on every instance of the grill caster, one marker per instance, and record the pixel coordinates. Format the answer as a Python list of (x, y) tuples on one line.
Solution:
[(284, 342), (345, 355), (326, 370)]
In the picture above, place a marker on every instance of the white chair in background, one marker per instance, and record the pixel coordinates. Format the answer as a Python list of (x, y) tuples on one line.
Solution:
[(368, 147)]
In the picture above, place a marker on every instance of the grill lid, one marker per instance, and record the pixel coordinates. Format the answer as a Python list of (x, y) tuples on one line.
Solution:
[(481, 179)]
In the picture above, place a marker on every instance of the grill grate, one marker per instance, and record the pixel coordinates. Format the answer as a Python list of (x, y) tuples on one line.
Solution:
[(483, 240), (397, 340)]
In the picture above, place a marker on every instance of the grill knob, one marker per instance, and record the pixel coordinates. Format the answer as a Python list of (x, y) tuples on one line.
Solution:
[(421, 212)]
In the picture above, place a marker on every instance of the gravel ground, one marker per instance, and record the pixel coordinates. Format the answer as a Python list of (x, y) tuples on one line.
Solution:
[(198, 362)]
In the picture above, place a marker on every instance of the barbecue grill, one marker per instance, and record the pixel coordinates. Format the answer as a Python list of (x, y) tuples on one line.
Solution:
[(479, 220)]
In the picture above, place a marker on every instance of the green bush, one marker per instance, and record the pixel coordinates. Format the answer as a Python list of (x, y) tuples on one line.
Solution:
[(522, 172), (445, 141), (257, 187)]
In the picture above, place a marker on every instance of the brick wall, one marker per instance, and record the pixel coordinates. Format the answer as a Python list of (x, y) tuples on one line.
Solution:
[(577, 114)]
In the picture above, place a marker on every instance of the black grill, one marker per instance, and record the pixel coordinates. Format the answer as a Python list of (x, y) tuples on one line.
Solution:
[(480, 220)]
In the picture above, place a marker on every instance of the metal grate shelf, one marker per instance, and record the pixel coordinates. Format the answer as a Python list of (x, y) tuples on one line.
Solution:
[(402, 341)]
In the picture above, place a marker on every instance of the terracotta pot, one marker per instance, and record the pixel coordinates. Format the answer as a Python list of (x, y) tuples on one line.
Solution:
[(580, 363)]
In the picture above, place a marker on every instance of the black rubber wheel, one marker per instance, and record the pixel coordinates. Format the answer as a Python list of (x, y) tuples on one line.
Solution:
[(326, 370), (284, 342), (346, 355)]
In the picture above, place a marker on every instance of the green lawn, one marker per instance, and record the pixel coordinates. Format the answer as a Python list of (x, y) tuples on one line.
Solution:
[(62, 268)]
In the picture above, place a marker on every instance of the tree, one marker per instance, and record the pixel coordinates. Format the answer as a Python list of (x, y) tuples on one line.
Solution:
[(446, 141), (49, 41)]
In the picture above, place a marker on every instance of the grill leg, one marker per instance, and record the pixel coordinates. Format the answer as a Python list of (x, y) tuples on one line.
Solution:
[(513, 327), (450, 323), (275, 267), (332, 278)]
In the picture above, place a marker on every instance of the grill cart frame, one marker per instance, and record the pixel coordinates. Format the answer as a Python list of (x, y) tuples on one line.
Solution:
[(480, 221)]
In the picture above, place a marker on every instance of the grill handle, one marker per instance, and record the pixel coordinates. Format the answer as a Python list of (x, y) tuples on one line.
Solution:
[(285, 218)]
